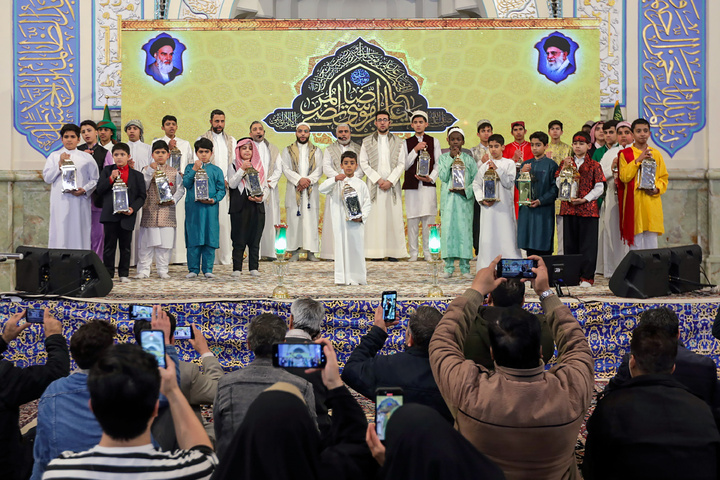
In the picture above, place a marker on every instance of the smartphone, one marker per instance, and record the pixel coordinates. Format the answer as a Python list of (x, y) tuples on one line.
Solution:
[(184, 332), (389, 299), (153, 342), (300, 355), (141, 312), (516, 268), (387, 400), (35, 315)]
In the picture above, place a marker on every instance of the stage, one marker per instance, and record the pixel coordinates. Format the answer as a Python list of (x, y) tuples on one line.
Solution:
[(224, 305)]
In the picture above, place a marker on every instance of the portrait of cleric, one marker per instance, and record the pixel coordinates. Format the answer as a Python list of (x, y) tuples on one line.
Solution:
[(556, 56), (164, 58)]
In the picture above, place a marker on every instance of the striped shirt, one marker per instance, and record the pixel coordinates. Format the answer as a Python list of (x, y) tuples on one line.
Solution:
[(125, 463)]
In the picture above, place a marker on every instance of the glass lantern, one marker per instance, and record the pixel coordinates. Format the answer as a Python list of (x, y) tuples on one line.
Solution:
[(457, 182), (351, 200), (175, 160), (646, 174), (202, 182), (164, 191), (423, 163), (69, 176), (524, 186), (121, 203), (491, 183), (252, 180), (569, 185)]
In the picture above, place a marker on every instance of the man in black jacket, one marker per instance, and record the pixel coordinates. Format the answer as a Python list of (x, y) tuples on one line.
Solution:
[(23, 385), (651, 426), (365, 371)]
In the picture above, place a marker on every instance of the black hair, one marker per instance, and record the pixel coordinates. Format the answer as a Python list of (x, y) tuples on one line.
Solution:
[(654, 349), (509, 293), (348, 154), (172, 118), (552, 123), (254, 123), (205, 143), (90, 342), (609, 124), (542, 137), (661, 317), (160, 145), (496, 137), (263, 331), (484, 125), (121, 146), (422, 325), (585, 135), (514, 337), (639, 121), (88, 122), (381, 112), (70, 127), (217, 111)]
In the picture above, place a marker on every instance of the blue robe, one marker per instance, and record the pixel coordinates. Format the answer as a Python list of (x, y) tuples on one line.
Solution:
[(202, 224), (456, 210), (536, 226)]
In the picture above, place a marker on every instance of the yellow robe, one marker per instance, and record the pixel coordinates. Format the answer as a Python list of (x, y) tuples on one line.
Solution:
[(648, 208)]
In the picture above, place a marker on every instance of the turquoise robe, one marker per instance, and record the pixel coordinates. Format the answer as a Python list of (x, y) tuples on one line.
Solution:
[(456, 210), (536, 226), (202, 223)]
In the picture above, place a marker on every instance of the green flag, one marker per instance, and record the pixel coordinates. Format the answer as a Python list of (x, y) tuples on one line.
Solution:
[(617, 114)]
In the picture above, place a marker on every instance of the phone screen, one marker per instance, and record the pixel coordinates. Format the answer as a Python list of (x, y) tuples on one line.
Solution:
[(388, 305), (386, 402), (516, 268), (183, 333), (35, 315), (299, 355), (140, 312), (153, 342)]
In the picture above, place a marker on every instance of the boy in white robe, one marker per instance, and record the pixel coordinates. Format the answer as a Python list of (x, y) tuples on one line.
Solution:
[(498, 227), (70, 214), (348, 235)]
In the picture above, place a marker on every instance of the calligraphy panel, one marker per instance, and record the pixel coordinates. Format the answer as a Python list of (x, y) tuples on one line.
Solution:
[(516, 8), (106, 61), (45, 69), (672, 70), (611, 14), (200, 9)]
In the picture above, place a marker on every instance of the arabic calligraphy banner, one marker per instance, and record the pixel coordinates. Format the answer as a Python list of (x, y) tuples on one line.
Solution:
[(46, 70), (332, 72), (673, 70)]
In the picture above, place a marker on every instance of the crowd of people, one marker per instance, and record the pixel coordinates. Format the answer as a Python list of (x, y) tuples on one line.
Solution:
[(607, 212), (479, 400)]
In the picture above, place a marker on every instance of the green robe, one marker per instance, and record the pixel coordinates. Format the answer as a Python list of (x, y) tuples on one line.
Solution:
[(536, 226), (202, 224), (456, 210)]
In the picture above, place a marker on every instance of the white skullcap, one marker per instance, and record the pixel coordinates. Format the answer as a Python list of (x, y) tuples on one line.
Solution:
[(419, 113), (480, 122), (301, 124), (456, 129)]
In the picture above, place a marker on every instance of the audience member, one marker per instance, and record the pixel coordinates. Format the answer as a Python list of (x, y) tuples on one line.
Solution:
[(507, 294), (23, 385), (278, 439), (524, 418), (420, 445), (124, 386), (651, 426), (697, 372), (306, 319), (365, 370), (238, 389), (64, 421)]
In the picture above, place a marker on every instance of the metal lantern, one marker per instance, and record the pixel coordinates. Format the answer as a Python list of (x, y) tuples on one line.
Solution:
[(569, 185), (423, 163), (524, 186), (176, 159), (352, 203), (280, 290), (434, 242), (491, 183), (434, 245), (121, 204), (280, 240), (164, 191), (646, 173), (69, 176), (457, 184), (202, 182), (252, 180)]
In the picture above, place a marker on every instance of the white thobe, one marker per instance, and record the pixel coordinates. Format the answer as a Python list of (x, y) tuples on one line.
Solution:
[(141, 153), (348, 236), (611, 248), (327, 244), (302, 230), (70, 216), (272, 200), (423, 201), (498, 227), (223, 159), (179, 255), (384, 229)]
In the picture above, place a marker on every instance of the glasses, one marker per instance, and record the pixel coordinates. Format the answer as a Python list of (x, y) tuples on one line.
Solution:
[(382, 120)]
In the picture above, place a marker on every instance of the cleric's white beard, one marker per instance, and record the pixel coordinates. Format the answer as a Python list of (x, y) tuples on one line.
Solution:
[(164, 68), (345, 143)]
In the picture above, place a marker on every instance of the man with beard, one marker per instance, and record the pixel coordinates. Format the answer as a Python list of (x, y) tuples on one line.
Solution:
[(302, 166), (182, 147), (103, 158), (163, 69), (380, 161), (223, 156), (270, 157), (557, 50), (332, 169)]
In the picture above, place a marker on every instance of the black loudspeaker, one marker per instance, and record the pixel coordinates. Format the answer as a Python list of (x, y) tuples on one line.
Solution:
[(33, 271), (685, 268), (563, 270), (642, 274), (74, 273)]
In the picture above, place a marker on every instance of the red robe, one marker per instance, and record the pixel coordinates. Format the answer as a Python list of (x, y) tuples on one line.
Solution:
[(527, 154)]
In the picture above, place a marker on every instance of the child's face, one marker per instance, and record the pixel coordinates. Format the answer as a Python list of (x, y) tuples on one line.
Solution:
[(599, 133), (580, 148), (625, 136), (160, 156), (121, 158), (496, 150), (419, 124), (133, 133), (455, 140), (105, 134), (555, 132), (89, 134), (349, 165), (204, 154), (518, 132), (641, 133), (537, 147), (485, 133), (170, 127), (610, 136), (70, 140), (246, 151)]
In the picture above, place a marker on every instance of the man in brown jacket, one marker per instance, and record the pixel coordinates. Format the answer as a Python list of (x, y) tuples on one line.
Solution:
[(524, 418)]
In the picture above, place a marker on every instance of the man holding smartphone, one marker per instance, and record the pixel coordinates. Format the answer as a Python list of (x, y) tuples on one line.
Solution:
[(22, 385)]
